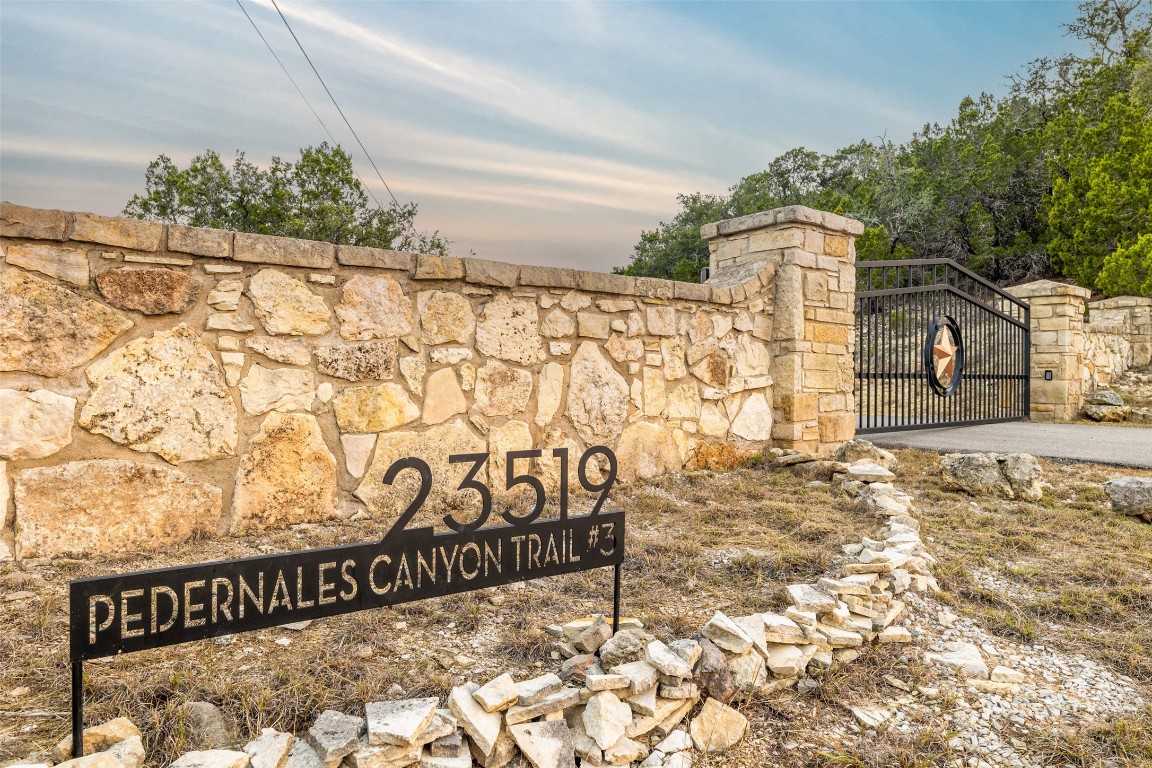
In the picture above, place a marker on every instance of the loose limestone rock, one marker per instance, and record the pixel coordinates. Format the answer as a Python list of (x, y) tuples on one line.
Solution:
[(359, 361), (129, 753), (963, 657), (208, 727), (1008, 476), (509, 329), (646, 450), (48, 330), (399, 722), (718, 727), (498, 693), (271, 749), (483, 728), (335, 735), (35, 424), (97, 738), (445, 318), (212, 758), (1106, 405), (725, 633), (502, 390), (606, 718), (374, 409), (164, 394), (287, 477), (1131, 496), (374, 307), (545, 744), (276, 389), (150, 291), (287, 307), (109, 506), (597, 396)]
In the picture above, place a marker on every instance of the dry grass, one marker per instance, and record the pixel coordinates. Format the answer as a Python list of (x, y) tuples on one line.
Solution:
[(697, 542)]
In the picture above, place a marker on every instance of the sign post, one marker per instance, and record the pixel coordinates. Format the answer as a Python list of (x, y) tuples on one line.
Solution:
[(136, 611)]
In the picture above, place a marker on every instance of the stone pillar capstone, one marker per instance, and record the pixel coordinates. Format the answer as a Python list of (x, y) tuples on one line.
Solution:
[(811, 257)]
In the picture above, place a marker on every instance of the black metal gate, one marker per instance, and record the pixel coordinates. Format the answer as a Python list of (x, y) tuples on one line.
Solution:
[(936, 345)]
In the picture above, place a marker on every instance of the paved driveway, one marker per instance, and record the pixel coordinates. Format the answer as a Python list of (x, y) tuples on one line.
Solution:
[(1123, 446)]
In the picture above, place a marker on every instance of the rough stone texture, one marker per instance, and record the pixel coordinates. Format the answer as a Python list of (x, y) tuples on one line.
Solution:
[(545, 744), (335, 735), (165, 394), (288, 351), (123, 233), (360, 361), (109, 506), (151, 291), (754, 421), (647, 450), (374, 409), (287, 477), (374, 307), (718, 727), (36, 223), (97, 738), (48, 330), (276, 389), (963, 657), (213, 243), (558, 324), (606, 718), (597, 396), (445, 399), (67, 264), (483, 728), (1131, 496), (129, 753), (285, 251), (34, 424), (287, 307), (1008, 476), (208, 727), (550, 393), (433, 446), (271, 749), (399, 722), (509, 329), (497, 694), (502, 390), (445, 318)]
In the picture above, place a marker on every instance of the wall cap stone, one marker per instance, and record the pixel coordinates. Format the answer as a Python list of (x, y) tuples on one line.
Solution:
[(1042, 288), (792, 214), (1119, 302)]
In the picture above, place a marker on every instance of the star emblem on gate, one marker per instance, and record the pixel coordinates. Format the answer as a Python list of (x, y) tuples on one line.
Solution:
[(945, 354)]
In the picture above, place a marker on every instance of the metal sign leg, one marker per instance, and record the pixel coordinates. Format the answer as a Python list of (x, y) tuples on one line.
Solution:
[(616, 600), (77, 709)]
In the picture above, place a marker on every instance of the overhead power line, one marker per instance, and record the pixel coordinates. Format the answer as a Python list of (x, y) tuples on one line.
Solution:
[(333, 98), (302, 96)]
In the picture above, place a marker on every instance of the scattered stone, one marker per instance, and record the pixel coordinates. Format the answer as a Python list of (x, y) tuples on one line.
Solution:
[(271, 749), (781, 629), (303, 756), (212, 758), (871, 716), (712, 673), (868, 472), (625, 646), (577, 668), (557, 702), (130, 753), (399, 723), (726, 634), (546, 744), (537, 689), (599, 683), (164, 394), (483, 728), (497, 694), (335, 735), (858, 450), (625, 752), (718, 727), (807, 598), (97, 738), (664, 659), (1008, 476), (1131, 496), (148, 291), (36, 424), (594, 636), (208, 727), (606, 718), (894, 635), (1002, 674), (963, 657), (1106, 405)]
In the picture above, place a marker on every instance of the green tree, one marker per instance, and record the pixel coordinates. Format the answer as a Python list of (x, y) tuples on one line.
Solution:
[(318, 197)]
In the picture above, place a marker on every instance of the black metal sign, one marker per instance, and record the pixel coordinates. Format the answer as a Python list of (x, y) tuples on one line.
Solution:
[(150, 609)]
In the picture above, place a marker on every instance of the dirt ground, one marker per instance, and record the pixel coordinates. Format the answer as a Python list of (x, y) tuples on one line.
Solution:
[(1065, 571)]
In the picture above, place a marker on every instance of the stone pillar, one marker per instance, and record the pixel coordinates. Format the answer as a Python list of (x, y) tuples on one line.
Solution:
[(1057, 325), (1134, 313), (811, 301)]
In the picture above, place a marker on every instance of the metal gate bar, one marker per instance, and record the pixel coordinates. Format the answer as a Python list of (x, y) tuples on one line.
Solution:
[(898, 303)]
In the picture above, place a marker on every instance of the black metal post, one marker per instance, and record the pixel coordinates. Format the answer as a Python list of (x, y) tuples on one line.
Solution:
[(77, 709), (616, 599)]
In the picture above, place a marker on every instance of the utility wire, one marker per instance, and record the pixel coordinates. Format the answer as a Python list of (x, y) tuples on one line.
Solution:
[(305, 98), (333, 98)]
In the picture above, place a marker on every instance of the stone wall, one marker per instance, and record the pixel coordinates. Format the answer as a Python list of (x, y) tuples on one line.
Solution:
[(1078, 348), (161, 381)]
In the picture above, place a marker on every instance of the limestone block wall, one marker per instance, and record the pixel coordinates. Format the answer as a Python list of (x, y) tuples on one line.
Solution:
[(1074, 352), (160, 381), (809, 259)]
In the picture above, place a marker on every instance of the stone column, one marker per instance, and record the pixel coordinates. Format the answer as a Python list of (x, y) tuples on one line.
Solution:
[(1057, 325), (811, 301)]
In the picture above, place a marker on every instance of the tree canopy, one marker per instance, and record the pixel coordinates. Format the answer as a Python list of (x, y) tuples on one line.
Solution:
[(318, 197), (1052, 179)]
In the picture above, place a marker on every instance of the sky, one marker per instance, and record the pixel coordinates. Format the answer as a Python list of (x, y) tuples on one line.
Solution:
[(532, 132)]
